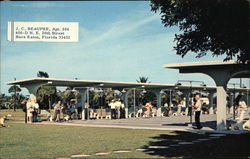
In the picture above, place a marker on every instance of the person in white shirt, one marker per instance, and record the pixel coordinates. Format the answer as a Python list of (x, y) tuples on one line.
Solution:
[(30, 110), (112, 106), (118, 105), (197, 108)]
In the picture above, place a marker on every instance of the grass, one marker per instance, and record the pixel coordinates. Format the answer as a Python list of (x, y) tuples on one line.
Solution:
[(50, 141), (15, 115)]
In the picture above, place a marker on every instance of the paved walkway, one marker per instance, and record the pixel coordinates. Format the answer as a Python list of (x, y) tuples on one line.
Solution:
[(173, 123), (157, 123)]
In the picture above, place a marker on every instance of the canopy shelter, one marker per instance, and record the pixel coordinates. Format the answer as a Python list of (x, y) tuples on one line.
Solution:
[(33, 84), (221, 73)]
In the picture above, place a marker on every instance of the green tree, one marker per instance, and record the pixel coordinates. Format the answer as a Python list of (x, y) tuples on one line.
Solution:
[(45, 94), (143, 80), (68, 94), (3, 100), (143, 98), (217, 26), (14, 89), (104, 97), (42, 74), (15, 102)]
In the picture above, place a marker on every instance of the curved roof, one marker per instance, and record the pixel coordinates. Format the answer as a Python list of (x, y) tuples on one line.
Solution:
[(199, 67), (103, 84)]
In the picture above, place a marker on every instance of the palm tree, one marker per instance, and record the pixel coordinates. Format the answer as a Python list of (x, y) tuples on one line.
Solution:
[(45, 94), (14, 89), (42, 74), (143, 80), (16, 100)]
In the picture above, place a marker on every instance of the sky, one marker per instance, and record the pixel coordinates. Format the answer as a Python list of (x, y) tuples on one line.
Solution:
[(118, 41)]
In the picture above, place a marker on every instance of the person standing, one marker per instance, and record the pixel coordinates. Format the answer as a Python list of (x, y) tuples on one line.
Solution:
[(112, 106), (148, 106), (24, 102), (118, 107), (36, 111), (197, 108), (30, 110), (122, 109), (57, 109), (79, 109)]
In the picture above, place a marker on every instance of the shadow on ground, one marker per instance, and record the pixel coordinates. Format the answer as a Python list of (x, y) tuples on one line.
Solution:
[(230, 146), (210, 124)]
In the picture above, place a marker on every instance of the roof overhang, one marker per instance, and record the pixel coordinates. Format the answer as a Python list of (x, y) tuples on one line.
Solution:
[(200, 67), (74, 83)]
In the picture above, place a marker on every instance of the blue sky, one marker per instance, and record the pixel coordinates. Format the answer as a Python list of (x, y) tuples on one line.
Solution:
[(118, 41)]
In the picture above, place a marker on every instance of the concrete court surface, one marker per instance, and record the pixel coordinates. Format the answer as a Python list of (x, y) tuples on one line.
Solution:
[(155, 123)]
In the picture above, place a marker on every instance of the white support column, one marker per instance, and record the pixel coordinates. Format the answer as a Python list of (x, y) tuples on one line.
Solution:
[(221, 108), (221, 78), (158, 100), (83, 97), (33, 88), (125, 100)]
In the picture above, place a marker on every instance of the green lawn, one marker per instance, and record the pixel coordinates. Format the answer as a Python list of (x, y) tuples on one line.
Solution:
[(49, 141), (15, 115), (52, 141)]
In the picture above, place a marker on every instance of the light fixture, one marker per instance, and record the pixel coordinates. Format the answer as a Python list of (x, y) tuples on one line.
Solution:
[(144, 91), (49, 82), (123, 90), (161, 91), (203, 85), (101, 84)]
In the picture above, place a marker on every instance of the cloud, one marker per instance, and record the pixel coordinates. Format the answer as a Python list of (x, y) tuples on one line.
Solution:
[(37, 5), (126, 40), (123, 28), (134, 45)]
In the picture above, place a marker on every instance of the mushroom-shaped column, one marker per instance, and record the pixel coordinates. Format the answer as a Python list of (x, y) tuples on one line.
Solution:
[(220, 72), (157, 92), (83, 97), (33, 88), (221, 79), (125, 100)]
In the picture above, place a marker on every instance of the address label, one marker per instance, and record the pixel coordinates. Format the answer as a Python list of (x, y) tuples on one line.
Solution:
[(43, 31)]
